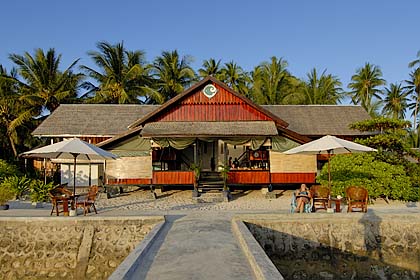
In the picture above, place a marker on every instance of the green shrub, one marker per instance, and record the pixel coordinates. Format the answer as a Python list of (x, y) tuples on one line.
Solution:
[(39, 190), (6, 194), (7, 169), (381, 179), (19, 185)]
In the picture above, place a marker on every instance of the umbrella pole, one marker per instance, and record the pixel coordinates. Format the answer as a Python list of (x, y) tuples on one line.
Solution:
[(90, 174), (74, 172), (45, 171), (329, 171)]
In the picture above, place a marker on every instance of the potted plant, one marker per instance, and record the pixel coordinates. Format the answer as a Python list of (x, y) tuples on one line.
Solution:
[(40, 192), (196, 168), (6, 194), (224, 172)]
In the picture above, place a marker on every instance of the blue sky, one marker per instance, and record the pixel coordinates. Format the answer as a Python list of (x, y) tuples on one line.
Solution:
[(339, 36)]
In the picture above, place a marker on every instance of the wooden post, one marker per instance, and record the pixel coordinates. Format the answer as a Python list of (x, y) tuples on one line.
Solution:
[(45, 171)]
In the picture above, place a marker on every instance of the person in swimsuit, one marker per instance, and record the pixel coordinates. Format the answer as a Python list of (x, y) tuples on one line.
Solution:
[(303, 196)]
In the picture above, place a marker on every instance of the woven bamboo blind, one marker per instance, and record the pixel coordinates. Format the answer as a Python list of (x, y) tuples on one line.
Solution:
[(280, 162), (130, 168)]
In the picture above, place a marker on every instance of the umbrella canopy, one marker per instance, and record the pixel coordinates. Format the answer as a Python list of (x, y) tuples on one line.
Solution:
[(329, 145), (70, 149)]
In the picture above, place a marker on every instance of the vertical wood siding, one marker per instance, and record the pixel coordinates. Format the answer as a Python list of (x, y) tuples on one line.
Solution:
[(138, 181), (249, 177), (224, 106), (173, 177), (293, 178)]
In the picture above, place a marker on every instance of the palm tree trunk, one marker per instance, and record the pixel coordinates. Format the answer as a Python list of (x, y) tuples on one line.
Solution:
[(416, 112), (12, 144)]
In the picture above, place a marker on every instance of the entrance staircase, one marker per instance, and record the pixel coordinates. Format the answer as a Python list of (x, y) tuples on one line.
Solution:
[(210, 187)]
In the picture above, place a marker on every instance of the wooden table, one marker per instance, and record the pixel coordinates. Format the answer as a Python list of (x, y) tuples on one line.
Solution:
[(66, 200), (337, 202)]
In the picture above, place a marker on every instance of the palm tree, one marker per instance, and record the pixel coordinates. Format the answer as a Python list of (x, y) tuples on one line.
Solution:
[(325, 89), (365, 85), (413, 138), (235, 77), (44, 86), (121, 77), (413, 89), (172, 74), (415, 62), (14, 113), (395, 101), (271, 82), (413, 86), (211, 67), (374, 108)]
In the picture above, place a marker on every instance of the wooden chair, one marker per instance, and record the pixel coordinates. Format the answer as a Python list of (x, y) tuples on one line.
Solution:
[(56, 196), (88, 201), (320, 195), (357, 197)]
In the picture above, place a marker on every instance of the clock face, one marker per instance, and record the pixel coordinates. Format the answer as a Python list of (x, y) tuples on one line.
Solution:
[(209, 91), (256, 154)]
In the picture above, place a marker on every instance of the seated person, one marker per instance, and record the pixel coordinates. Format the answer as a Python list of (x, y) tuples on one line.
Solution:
[(303, 196), (236, 163)]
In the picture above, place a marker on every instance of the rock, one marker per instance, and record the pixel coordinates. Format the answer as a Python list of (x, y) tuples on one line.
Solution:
[(112, 263)]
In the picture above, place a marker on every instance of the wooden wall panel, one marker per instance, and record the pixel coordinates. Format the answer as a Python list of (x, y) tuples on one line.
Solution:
[(224, 106), (225, 112), (173, 178), (249, 177), (282, 163), (222, 97), (293, 178), (137, 181), (129, 168)]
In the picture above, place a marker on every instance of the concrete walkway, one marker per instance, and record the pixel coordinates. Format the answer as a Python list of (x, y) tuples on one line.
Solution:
[(195, 246)]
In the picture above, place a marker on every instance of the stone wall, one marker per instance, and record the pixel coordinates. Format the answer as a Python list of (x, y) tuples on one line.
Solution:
[(341, 246), (70, 248)]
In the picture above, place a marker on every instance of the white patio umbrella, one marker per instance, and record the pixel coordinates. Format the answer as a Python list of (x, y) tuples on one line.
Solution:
[(70, 149), (329, 145)]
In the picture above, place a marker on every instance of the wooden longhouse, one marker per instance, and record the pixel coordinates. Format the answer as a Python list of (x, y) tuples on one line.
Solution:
[(209, 125)]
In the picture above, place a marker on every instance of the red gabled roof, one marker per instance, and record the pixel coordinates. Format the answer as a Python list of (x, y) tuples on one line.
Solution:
[(176, 102)]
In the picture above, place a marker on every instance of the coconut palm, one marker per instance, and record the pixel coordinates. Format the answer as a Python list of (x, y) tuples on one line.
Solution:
[(365, 85), (270, 80), (14, 113), (395, 101), (44, 86), (413, 138), (172, 75), (121, 77), (415, 62), (324, 89), (211, 67), (235, 77), (413, 87)]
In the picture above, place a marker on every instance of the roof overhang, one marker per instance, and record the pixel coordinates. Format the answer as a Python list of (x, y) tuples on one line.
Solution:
[(209, 129)]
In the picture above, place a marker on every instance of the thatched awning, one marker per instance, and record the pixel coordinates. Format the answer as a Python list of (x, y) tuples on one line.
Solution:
[(209, 129)]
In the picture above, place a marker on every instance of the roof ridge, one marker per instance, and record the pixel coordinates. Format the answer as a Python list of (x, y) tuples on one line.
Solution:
[(313, 105), (102, 104)]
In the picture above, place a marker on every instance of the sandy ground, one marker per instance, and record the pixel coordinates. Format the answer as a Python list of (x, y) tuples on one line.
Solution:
[(181, 201)]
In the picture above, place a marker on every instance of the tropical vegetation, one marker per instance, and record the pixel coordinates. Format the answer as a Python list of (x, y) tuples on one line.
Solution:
[(391, 172), (39, 82)]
